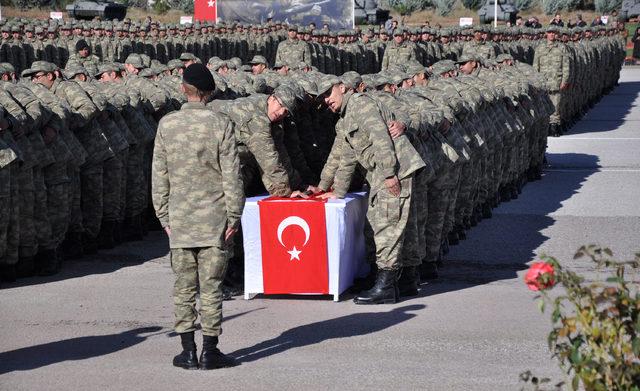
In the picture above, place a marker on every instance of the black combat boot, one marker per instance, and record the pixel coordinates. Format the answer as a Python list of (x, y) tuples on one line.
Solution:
[(428, 271), (8, 273), (188, 358), (89, 244), (73, 246), (384, 291), (211, 357), (365, 283), (117, 233), (453, 238), (486, 210), (554, 130), (105, 239), (133, 229), (409, 281), (47, 263), (26, 267), (461, 234)]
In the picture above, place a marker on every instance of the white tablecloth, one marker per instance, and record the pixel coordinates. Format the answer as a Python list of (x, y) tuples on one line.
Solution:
[(345, 243)]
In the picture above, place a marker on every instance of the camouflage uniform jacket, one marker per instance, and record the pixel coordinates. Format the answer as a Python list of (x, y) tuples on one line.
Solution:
[(197, 186)]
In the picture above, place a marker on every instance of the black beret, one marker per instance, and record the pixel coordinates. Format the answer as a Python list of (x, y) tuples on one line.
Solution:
[(81, 44), (199, 76)]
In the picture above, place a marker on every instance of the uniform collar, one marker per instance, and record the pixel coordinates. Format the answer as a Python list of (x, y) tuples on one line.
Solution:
[(193, 106), (345, 101)]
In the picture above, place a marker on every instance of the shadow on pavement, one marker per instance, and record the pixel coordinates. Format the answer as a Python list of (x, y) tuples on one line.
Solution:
[(609, 114), (155, 245), (501, 246), (74, 349), (353, 325)]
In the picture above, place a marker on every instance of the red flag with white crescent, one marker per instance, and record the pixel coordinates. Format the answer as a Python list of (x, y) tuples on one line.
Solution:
[(205, 10), (293, 236)]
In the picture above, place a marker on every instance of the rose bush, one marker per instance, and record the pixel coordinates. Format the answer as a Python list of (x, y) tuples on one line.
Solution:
[(596, 323)]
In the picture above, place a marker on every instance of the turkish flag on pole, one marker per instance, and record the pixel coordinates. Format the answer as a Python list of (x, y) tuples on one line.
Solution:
[(205, 10), (293, 237)]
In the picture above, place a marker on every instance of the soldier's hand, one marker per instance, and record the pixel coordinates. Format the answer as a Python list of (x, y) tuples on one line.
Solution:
[(229, 233), (167, 229), (564, 86), (298, 194), (49, 134), (327, 196), (313, 190), (393, 185), (396, 129)]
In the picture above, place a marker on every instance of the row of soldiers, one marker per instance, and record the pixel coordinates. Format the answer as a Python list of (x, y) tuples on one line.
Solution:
[(479, 125)]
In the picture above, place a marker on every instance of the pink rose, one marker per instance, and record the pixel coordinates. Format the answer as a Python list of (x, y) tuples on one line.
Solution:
[(534, 279)]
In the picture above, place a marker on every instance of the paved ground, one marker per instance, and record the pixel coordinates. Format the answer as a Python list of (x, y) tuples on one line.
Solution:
[(106, 323)]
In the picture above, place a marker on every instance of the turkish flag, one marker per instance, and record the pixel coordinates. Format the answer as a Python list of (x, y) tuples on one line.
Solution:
[(293, 237), (205, 10)]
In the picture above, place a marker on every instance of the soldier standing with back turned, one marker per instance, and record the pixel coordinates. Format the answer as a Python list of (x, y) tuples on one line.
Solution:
[(200, 216)]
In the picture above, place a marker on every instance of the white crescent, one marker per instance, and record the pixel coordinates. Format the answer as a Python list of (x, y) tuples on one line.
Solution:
[(294, 220)]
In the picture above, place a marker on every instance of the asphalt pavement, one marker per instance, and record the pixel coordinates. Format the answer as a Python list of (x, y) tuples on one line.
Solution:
[(105, 322)]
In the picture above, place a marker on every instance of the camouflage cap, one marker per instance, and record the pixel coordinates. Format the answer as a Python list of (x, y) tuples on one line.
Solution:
[(257, 59), (188, 57), (39, 66), (351, 79), (6, 67), (398, 31), (39, 30), (74, 70), (106, 67), (552, 29), (287, 97), (503, 57), (309, 86), (466, 58), (175, 64), (135, 60), (443, 66), (326, 83), (147, 72), (416, 68)]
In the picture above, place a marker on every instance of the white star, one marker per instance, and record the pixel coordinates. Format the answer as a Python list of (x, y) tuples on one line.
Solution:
[(295, 254), (210, 3)]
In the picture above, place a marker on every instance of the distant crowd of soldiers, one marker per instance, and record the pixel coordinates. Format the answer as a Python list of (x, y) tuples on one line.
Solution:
[(81, 107)]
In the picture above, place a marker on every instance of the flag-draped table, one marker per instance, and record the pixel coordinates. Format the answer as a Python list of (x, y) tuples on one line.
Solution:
[(303, 246)]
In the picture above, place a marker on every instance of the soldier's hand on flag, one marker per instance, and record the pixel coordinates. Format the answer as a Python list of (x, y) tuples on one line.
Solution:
[(229, 233), (327, 196)]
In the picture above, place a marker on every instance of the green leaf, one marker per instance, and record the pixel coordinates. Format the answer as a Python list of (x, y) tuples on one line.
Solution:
[(608, 252), (575, 383), (541, 305), (635, 346)]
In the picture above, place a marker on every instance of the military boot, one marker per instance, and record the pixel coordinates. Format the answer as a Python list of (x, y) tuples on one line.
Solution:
[(428, 271), (8, 273), (486, 210), (444, 246), (105, 239), (133, 230), (211, 357), (409, 281), (453, 238), (188, 358), (47, 263), (26, 267), (89, 244), (117, 233), (72, 248), (384, 291)]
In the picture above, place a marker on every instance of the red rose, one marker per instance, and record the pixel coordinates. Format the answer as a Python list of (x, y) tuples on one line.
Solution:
[(534, 279)]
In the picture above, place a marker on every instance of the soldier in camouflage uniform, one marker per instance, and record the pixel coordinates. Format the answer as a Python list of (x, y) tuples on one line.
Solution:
[(195, 142)]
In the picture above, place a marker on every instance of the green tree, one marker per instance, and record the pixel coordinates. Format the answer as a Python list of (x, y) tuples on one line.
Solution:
[(444, 7), (525, 4), (607, 6), (472, 4)]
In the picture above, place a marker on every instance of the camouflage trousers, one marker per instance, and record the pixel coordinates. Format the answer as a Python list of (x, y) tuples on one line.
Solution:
[(112, 188), (58, 206), (198, 271), (414, 244), (91, 198), (11, 252), (75, 198), (5, 208), (556, 116), (136, 186), (40, 209), (388, 216), (438, 195), (28, 238)]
